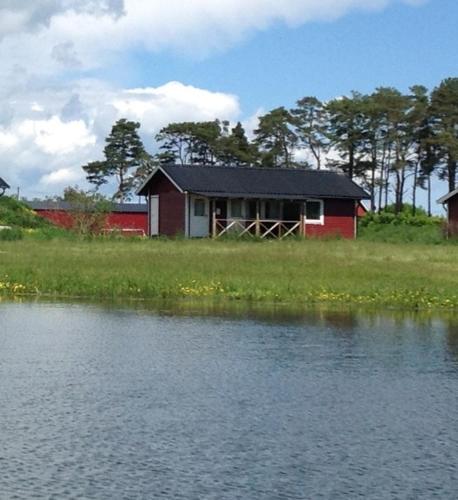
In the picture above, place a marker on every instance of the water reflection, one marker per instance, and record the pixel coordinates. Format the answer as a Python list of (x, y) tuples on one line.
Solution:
[(451, 325), (178, 401)]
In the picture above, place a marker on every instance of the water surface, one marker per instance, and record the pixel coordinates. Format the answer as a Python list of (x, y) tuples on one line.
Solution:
[(103, 403)]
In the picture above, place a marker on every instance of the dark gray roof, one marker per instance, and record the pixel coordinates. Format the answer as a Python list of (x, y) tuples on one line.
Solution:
[(3, 184), (63, 205), (246, 182)]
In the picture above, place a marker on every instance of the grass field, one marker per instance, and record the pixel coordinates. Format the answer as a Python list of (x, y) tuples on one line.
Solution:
[(300, 272)]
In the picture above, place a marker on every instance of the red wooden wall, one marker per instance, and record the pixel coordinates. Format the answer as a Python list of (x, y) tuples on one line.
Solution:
[(135, 222), (339, 220), (453, 215), (171, 206)]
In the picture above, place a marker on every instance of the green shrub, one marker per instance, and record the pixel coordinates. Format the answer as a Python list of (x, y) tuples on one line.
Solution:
[(405, 218), (402, 233), (11, 234)]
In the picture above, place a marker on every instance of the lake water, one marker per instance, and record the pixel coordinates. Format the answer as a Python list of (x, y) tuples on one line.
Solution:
[(101, 403)]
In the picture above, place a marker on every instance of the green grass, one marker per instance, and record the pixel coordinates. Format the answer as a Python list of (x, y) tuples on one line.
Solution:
[(402, 233), (297, 272), (18, 215)]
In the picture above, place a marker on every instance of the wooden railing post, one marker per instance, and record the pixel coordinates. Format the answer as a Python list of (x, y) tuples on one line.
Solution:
[(258, 224), (302, 221), (213, 218)]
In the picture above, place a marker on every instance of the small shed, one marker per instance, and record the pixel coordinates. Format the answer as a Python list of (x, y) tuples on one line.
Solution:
[(450, 203), (3, 186), (201, 201), (128, 218)]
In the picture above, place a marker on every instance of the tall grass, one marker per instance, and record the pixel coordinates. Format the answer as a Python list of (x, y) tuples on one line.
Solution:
[(17, 214), (303, 272)]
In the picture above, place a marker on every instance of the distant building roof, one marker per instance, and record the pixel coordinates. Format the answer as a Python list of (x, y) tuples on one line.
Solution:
[(447, 196), (3, 185), (246, 182), (66, 206)]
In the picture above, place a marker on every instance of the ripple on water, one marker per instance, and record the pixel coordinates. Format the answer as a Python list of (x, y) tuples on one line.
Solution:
[(112, 404)]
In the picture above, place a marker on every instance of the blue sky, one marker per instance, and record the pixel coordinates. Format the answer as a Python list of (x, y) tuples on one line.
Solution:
[(69, 70), (398, 46)]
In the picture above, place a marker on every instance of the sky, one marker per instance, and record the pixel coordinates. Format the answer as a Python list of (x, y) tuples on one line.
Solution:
[(70, 68)]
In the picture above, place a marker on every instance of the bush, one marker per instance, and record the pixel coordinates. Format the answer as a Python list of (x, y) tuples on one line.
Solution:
[(89, 211), (11, 234), (404, 227), (404, 218)]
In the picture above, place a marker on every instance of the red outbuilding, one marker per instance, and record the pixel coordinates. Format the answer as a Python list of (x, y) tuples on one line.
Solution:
[(201, 201), (128, 218), (450, 202)]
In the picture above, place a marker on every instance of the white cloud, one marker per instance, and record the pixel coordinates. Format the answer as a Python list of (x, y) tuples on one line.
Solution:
[(174, 101), (56, 137), (56, 130), (62, 177), (22, 15), (251, 123), (7, 140), (52, 36), (48, 129)]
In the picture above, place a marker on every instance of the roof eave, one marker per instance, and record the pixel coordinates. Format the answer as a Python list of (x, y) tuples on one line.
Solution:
[(141, 190), (446, 197), (213, 194)]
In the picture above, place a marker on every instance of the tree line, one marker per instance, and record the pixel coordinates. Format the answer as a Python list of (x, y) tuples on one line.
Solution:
[(391, 142)]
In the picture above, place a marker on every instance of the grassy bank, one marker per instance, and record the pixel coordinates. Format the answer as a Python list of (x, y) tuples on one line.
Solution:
[(310, 272)]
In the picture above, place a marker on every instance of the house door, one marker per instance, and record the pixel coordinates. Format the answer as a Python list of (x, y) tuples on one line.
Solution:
[(292, 211), (154, 215), (219, 209)]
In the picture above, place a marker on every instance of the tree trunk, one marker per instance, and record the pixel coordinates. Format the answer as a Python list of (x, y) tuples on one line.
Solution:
[(351, 161), (387, 185), (380, 191), (451, 170), (414, 189), (429, 195), (387, 175), (374, 168), (401, 188), (382, 176)]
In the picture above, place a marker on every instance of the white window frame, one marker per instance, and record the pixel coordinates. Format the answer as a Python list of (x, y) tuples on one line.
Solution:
[(320, 221)]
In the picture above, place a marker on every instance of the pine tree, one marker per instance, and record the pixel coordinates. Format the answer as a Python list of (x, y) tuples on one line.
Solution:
[(311, 121), (346, 133), (276, 138), (235, 148), (444, 112), (124, 155)]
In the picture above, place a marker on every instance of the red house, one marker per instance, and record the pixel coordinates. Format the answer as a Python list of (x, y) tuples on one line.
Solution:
[(201, 201), (450, 202), (128, 218)]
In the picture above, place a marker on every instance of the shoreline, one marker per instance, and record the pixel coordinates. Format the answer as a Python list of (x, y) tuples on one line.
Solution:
[(334, 274)]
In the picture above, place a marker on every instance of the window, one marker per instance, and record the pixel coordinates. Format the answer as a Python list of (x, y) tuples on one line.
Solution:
[(236, 208), (314, 212), (273, 210), (199, 207)]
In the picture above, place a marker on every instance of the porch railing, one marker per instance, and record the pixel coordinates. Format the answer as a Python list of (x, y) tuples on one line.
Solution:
[(259, 228)]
